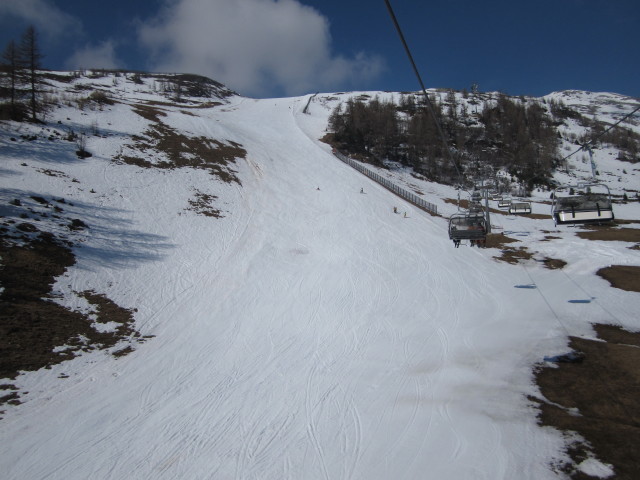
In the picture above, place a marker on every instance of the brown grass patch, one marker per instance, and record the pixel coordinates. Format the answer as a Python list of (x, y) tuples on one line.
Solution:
[(32, 325), (176, 150), (149, 112), (554, 263), (514, 255), (537, 216), (203, 204), (597, 396), (35, 331), (495, 240), (508, 254), (624, 277), (52, 173), (609, 234)]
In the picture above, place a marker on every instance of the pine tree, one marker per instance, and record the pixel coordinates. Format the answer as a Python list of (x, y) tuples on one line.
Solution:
[(31, 58)]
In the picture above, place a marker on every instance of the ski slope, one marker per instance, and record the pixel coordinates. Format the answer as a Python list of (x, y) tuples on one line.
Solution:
[(311, 333)]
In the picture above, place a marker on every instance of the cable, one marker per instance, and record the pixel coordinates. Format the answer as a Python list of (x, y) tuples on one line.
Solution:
[(593, 299), (585, 145), (424, 90)]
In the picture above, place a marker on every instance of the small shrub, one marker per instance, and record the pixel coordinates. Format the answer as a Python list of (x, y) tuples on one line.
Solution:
[(100, 98)]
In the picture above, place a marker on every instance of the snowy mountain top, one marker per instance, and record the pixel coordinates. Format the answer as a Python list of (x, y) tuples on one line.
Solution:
[(178, 88)]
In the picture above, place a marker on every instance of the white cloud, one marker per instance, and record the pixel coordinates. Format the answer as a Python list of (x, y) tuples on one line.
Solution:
[(45, 17), (94, 56), (257, 47)]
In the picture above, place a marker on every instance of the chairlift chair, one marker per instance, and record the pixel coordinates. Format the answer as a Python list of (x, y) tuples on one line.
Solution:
[(520, 207), (579, 204), (468, 226), (504, 203)]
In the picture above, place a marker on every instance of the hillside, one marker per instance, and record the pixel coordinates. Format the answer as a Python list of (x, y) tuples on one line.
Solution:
[(247, 312)]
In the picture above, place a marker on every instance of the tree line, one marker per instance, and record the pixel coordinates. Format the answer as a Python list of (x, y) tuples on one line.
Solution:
[(20, 64), (516, 135)]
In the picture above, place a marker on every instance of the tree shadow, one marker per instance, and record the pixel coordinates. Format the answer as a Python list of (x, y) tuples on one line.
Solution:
[(101, 236)]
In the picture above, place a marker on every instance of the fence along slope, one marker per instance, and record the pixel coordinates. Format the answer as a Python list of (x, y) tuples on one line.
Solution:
[(385, 182)]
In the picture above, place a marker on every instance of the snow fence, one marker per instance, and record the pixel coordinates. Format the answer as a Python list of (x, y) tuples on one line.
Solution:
[(385, 182)]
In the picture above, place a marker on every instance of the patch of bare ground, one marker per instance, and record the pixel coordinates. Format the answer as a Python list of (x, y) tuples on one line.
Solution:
[(515, 255), (595, 391), (197, 106), (175, 150), (611, 234), (499, 240), (554, 263), (203, 205), (624, 277), (508, 254), (35, 331)]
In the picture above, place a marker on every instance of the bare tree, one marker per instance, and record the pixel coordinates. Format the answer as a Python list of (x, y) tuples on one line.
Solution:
[(31, 58)]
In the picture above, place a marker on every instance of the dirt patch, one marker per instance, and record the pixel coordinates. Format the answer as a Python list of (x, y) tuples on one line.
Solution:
[(32, 325), (536, 216), (514, 255), (495, 240), (203, 205), (548, 238), (554, 263), (35, 331), (595, 391), (609, 234), (52, 173), (149, 112), (175, 150), (624, 277), (508, 254)]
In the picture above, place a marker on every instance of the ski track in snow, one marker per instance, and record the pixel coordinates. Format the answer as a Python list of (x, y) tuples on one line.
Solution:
[(307, 334)]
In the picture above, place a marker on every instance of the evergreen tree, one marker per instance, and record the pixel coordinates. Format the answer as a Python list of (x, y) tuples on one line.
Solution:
[(512, 134), (31, 60)]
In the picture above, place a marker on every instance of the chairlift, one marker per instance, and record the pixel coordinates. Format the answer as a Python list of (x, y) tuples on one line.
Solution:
[(520, 207), (588, 202), (583, 203), (504, 203), (468, 226)]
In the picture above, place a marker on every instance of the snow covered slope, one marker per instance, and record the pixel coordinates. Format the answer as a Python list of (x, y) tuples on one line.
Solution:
[(308, 333)]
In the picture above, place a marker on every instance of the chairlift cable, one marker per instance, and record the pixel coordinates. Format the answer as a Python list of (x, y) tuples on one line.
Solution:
[(424, 90), (593, 299), (586, 145)]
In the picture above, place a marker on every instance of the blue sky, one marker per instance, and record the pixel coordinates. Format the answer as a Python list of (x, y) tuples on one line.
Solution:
[(269, 48)]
